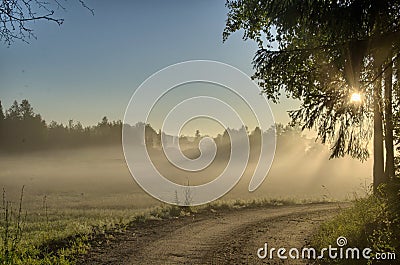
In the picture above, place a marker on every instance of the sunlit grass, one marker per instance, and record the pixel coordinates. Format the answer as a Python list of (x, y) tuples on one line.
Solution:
[(372, 222), (59, 234)]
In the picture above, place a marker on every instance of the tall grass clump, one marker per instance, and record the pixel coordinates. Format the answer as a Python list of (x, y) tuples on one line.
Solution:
[(371, 222), (24, 240), (11, 229)]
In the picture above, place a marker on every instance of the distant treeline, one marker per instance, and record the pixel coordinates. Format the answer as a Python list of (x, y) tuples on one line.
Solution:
[(21, 129)]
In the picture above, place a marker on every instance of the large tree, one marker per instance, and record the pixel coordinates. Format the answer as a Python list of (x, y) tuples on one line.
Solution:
[(337, 57), (2, 117)]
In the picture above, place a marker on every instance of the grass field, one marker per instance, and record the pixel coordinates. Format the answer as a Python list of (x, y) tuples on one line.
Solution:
[(72, 194)]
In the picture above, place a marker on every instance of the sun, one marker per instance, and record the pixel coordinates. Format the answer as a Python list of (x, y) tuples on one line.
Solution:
[(355, 98)]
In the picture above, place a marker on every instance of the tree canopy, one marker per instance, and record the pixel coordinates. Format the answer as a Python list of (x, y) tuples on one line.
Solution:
[(323, 53)]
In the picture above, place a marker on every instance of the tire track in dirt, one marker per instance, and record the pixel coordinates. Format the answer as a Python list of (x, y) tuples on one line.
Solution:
[(234, 238), (289, 231), (222, 237)]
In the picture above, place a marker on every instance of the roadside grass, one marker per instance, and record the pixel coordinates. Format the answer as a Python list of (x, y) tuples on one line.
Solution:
[(372, 222), (46, 235)]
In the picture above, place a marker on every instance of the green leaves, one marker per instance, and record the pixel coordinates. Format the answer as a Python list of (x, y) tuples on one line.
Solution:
[(326, 51)]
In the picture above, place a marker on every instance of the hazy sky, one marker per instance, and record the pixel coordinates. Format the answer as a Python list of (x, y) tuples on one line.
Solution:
[(90, 66)]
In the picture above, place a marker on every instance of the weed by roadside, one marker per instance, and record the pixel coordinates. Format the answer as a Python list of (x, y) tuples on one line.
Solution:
[(11, 229), (372, 222), (45, 236)]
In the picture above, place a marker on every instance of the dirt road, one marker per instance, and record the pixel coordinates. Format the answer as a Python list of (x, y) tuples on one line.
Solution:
[(214, 237)]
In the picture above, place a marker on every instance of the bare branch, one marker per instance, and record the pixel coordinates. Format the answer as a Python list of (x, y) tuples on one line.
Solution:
[(85, 6), (16, 17)]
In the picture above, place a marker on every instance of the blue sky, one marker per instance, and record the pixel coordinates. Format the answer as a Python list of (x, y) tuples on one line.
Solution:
[(90, 66)]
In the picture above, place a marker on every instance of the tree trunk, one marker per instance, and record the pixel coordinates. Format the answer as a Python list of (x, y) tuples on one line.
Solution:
[(389, 167), (378, 171)]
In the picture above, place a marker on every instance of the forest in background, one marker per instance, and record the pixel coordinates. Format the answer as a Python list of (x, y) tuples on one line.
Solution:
[(21, 129)]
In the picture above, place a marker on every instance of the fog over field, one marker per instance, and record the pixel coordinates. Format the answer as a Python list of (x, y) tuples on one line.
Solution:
[(98, 177), (199, 132)]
